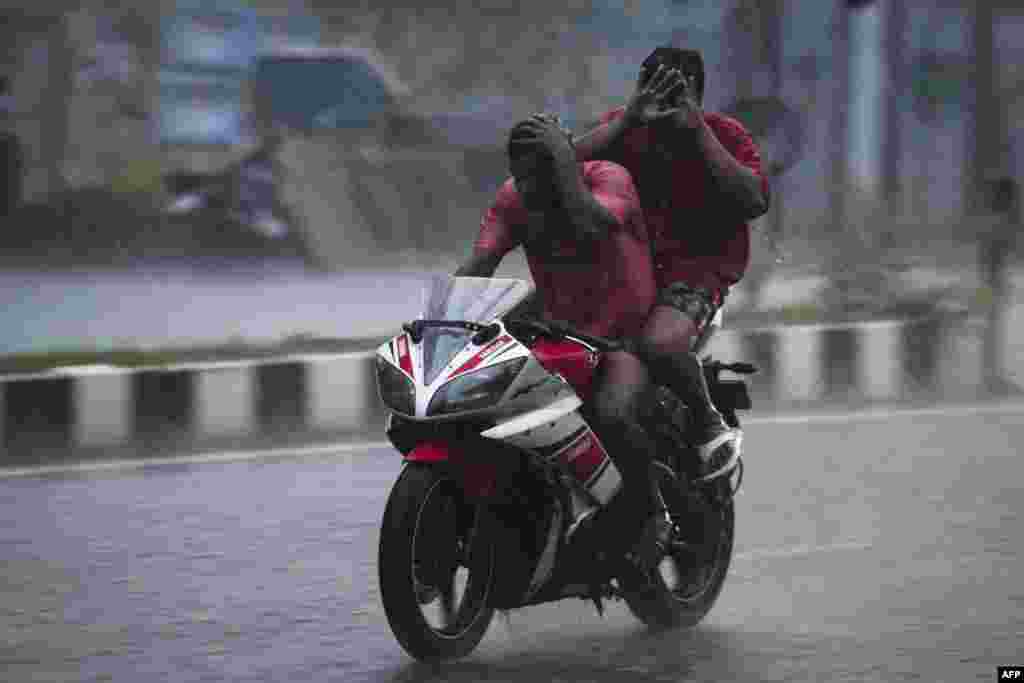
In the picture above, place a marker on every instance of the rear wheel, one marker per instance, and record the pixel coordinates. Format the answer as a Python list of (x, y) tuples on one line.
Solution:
[(686, 584), (435, 571)]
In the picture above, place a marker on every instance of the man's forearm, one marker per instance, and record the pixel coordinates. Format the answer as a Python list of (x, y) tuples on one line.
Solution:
[(530, 307), (586, 217), (480, 264), (740, 185), (603, 142)]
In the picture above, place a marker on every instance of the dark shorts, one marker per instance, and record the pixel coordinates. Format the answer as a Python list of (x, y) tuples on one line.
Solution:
[(697, 303)]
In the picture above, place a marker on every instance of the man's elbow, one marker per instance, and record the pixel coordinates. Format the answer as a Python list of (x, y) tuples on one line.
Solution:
[(757, 204), (480, 265), (598, 223), (598, 228), (469, 269), (595, 230)]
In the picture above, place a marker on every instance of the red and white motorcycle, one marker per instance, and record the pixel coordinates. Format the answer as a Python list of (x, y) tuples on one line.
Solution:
[(506, 493)]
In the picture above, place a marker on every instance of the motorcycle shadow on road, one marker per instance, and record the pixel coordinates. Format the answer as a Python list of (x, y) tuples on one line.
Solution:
[(638, 654)]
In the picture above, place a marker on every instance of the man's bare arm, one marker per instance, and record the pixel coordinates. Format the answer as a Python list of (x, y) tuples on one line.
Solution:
[(484, 264), (602, 142), (688, 129), (481, 264), (649, 102), (742, 186), (587, 217), (576, 206)]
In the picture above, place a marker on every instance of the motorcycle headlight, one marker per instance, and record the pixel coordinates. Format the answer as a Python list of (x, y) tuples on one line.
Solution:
[(395, 388), (476, 390)]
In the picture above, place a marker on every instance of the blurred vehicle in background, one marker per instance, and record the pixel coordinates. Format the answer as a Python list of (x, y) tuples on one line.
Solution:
[(345, 163), (244, 192), (11, 154)]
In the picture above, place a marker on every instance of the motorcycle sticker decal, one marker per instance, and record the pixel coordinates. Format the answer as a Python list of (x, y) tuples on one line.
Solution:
[(594, 468), (404, 357), (585, 457), (550, 431), (549, 452), (488, 351)]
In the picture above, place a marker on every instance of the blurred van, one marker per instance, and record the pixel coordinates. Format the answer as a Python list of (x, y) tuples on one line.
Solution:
[(369, 177)]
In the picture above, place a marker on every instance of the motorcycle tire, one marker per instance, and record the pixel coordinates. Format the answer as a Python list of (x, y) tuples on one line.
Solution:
[(404, 532), (651, 599)]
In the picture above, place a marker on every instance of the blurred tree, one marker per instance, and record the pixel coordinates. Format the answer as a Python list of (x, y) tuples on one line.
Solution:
[(895, 66), (859, 283), (754, 29), (992, 194), (12, 155), (449, 49)]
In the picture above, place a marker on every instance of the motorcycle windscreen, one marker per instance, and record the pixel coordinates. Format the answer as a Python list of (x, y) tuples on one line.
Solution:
[(465, 299), (440, 345)]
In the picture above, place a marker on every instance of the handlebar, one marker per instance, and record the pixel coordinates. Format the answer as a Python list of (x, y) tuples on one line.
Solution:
[(559, 330), (415, 329), (556, 330)]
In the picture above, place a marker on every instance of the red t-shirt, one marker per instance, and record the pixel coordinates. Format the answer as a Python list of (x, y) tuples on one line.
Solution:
[(604, 287), (692, 242)]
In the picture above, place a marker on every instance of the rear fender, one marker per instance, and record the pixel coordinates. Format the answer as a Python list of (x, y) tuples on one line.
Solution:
[(478, 477)]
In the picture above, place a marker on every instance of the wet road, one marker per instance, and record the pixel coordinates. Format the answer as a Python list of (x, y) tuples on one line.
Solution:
[(878, 548)]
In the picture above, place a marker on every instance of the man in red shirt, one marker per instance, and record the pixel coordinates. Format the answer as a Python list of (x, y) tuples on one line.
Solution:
[(700, 183), (587, 247)]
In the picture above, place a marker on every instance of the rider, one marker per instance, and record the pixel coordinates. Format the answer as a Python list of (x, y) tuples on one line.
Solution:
[(699, 178), (582, 229)]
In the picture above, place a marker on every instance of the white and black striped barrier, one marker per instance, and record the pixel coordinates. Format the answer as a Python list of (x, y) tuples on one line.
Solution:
[(305, 396)]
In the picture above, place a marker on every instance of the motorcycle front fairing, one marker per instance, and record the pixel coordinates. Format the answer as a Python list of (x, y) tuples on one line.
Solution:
[(477, 384), (445, 382)]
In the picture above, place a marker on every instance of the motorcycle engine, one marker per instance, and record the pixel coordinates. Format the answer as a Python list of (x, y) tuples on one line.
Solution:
[(523, 519)]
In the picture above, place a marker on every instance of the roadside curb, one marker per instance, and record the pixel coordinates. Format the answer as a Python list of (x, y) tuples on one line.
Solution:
[(351, 448), (78, 412)]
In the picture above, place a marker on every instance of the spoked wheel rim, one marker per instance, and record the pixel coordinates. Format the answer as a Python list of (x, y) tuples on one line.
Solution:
[(687, 579), (451, 595), (684, 579)]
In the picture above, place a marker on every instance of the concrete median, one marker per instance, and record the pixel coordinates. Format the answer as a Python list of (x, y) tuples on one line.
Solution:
[(103, 410)]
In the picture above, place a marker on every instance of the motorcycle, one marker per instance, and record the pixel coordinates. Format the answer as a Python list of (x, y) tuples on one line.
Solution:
[(506, 494)]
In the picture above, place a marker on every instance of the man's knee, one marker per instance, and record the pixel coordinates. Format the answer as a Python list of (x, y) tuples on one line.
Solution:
[(668, 331), (655, 344), (661, 354), (679, 316), (651, 344)]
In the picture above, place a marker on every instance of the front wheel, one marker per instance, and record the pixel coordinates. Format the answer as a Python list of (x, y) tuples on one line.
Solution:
[(681, 590), (435, 571)]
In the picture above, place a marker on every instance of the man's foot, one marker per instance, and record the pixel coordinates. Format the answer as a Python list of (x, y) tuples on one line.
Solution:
[(719, 451), (654, 542)]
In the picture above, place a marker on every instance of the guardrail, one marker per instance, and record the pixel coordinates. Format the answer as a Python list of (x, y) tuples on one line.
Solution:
[(101, 408)]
